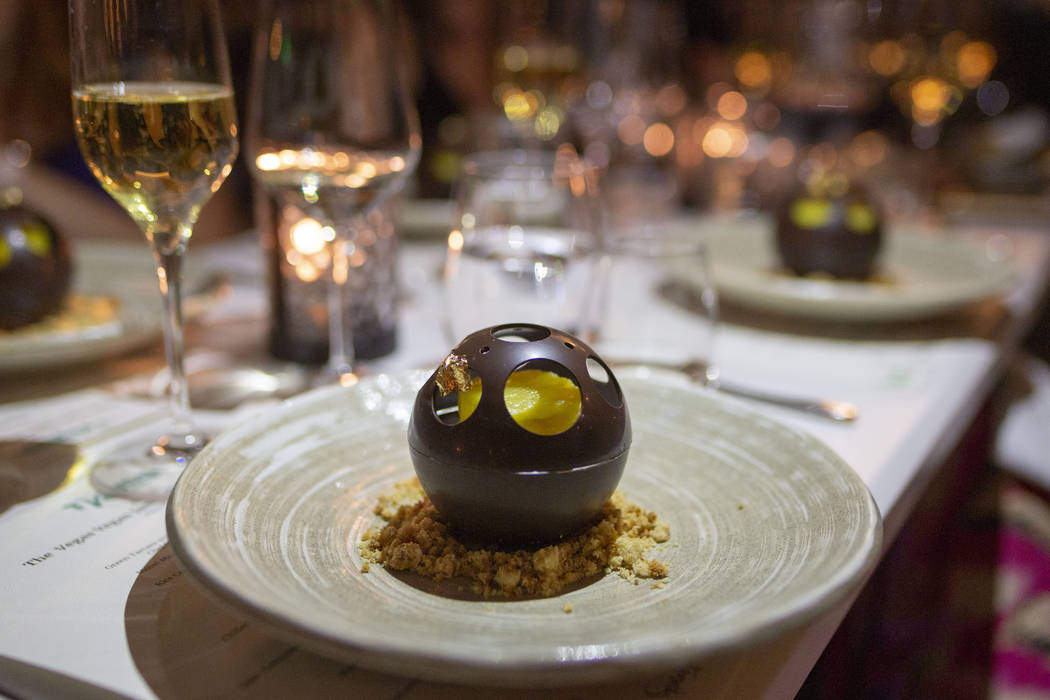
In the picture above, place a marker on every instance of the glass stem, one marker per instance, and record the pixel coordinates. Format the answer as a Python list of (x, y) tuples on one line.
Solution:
[(340, 331), (169, 275)]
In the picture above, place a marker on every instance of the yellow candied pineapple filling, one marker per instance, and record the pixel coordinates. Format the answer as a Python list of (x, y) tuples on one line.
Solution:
[(538, 400)]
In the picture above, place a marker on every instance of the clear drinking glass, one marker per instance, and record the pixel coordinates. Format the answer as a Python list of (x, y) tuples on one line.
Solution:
[(658, 304), (523, 244), (155, 120), (331, 128)]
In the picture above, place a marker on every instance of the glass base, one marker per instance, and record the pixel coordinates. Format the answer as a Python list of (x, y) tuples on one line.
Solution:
[(337, 373), (145, 475)]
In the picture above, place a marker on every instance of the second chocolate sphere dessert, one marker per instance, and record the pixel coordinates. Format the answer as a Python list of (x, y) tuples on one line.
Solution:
[(521, 436), (830, 227), (35, 268)]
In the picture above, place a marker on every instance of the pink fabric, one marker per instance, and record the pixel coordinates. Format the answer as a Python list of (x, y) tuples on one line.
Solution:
[(1021, 664)]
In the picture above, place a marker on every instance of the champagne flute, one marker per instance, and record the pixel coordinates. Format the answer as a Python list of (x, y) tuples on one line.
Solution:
[(331, 128), (155, 120)]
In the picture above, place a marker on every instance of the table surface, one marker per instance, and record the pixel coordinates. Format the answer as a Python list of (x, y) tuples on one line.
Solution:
[(92, 593)]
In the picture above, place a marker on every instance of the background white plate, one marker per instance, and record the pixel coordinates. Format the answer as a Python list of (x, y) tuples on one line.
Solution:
[(123, 271), (929, 274), (768, 528)]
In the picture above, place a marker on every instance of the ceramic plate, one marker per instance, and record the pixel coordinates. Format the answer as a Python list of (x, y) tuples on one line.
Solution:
[(122, 272), (768, 529), (921, 275)]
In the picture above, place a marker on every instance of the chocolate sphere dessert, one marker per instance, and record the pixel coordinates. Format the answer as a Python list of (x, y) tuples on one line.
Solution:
[(521, 436), (35, 268), (829, 227)]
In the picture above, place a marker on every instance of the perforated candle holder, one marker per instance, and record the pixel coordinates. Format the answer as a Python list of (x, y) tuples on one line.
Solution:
[(496, 480)]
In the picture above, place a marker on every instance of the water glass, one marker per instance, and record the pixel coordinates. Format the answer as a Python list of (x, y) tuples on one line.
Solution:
[(658, 304), (523, 243)]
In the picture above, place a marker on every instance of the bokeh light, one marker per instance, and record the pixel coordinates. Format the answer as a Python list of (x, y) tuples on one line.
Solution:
[(268, 161), (951, 43), (658, 139), (753, 70), (887, 58), (517, 107), (516, 58), (868, 148), (599, 95), (781, 152), (670, 100), (925, 136), (931, 99), (717, 142), (308, 236), (598, 153), (548, 122), (731, 105), (993, 97), (631, 129), (975, 62), (766, 116), (455, 240), (724, 140), (822, 157)]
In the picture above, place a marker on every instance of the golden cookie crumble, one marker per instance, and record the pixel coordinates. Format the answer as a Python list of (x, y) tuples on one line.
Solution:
[(415, 539)]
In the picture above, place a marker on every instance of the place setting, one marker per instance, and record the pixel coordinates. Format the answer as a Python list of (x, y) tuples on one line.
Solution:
[(895, 271), (100, 306), (289, 557), (316, 480)]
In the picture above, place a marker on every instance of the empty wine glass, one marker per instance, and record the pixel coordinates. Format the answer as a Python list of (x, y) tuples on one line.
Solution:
[(331, 130), (155, 121)]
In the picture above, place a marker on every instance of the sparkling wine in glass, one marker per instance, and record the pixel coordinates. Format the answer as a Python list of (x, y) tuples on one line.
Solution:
[(332, 130), (155, 120)]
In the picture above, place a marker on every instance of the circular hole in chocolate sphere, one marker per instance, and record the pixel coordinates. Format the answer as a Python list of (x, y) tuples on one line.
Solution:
[(542, 397), (520, 333), (455, 407), (607, 387), (597, 371)]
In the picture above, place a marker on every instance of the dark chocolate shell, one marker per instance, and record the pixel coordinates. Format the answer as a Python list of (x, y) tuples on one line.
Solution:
[(839, 235), (496, 481), (35, 268)]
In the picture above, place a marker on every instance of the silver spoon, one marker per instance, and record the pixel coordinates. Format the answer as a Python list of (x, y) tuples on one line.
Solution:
[(697, 371)]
